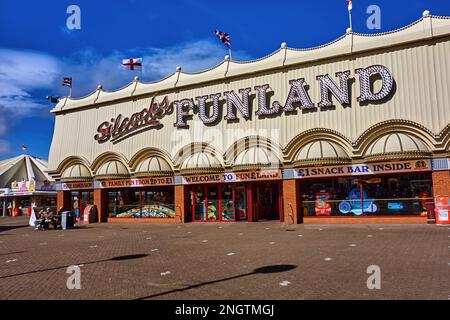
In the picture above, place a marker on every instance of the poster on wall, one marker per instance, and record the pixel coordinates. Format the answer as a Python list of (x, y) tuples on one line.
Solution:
[(31, 186), (322, 204)]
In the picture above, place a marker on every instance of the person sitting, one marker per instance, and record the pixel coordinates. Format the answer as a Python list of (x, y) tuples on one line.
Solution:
[(40, 220)]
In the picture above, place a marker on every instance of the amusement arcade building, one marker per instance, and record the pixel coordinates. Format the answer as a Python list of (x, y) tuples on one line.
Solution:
[(355, 129)]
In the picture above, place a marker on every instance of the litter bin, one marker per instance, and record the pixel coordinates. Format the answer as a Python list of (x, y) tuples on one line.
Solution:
[(67, 220)]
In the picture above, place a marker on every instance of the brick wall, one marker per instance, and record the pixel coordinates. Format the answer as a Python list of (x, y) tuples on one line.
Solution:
[(63, 200), (101, 201), (441, 183), (182, 202), (291, 203)]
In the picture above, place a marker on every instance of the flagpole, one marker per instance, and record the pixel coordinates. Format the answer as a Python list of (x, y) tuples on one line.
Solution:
[(229, 53), (350, 18), (70, 92)]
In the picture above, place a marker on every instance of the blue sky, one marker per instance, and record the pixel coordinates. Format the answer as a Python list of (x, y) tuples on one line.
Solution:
[(37, 49)]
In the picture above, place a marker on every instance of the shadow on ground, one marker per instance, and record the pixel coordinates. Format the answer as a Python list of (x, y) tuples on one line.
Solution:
[(263, 270), (119, 258)]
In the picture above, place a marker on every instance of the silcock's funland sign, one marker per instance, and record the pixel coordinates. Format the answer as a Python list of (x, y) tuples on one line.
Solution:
[(121, 127)]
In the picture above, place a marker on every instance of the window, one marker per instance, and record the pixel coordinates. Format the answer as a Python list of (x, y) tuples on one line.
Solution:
[(408, 194), (141, 203)]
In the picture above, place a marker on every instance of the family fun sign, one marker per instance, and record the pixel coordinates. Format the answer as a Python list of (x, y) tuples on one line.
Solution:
[(208, 106), (363, 169), (144, 182)]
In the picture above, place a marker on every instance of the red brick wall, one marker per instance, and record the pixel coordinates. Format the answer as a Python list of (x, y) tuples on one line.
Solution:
[(441, 183), (63, 200), (182, 202), (101, 201), (291, 204)]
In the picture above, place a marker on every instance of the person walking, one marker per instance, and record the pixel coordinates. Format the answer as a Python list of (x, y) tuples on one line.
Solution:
[(76, 209)]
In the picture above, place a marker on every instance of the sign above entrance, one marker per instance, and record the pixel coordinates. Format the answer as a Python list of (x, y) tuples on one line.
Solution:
[(144, 182), (66, 186), (233, 177), (362, 169)]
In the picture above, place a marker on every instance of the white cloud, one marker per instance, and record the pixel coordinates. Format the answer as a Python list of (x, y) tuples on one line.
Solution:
[(27, 76), (90, 69), (3, 124), (21, 72), (4, 147), (24, 72), (192, 57)]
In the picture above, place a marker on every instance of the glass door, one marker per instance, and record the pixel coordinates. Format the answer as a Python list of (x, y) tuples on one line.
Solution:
[(228, 213), (213, 204), (240, 201), (87, 198), (199, 203)]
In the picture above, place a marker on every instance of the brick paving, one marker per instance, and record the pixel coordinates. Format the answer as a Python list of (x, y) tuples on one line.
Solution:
[(217, 261)]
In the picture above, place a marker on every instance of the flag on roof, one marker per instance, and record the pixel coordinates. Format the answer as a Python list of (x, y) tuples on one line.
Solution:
[(132, 64), (67, 82), (224, 38), (350, 5)]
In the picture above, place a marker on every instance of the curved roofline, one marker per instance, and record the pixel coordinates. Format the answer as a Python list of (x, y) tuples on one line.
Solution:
[(427, 27)]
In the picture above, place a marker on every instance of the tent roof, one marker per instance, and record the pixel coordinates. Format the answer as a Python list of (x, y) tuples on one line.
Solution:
[(23, 167)]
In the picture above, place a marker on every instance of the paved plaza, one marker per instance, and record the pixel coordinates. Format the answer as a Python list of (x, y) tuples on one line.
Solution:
[(264, 260)]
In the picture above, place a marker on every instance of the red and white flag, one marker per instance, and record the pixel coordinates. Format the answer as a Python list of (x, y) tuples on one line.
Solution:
[(224, 38), (350, 5), (132, 64), (67, 82)]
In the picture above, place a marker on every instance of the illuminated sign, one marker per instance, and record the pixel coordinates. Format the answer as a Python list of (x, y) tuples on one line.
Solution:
[(363, 169), (233, 177), (144, 182), (298, 96), (208, 106)]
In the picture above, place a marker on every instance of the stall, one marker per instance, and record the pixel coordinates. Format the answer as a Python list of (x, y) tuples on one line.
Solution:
[(26, 184)]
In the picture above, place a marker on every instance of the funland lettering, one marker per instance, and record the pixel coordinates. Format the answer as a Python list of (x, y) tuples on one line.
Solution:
[(298, 97)]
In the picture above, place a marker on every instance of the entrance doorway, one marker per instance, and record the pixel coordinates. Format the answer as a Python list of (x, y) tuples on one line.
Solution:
[(219, 203), (80, 200), (267, 201)]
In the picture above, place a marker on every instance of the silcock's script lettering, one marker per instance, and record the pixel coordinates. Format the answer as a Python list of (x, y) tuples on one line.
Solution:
[(121, 127)]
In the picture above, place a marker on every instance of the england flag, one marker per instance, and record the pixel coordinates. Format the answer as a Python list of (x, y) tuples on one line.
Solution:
[(132, 63), (350, 5)]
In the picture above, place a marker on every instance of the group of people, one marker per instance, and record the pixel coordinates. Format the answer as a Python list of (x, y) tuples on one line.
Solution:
[(45, 218)]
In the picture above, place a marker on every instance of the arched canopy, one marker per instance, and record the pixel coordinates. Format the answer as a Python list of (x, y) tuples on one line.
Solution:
[(256, 158), (153, 166), (200, 162), (112, 169), (396, 146), (321, 152), (76, 172)]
